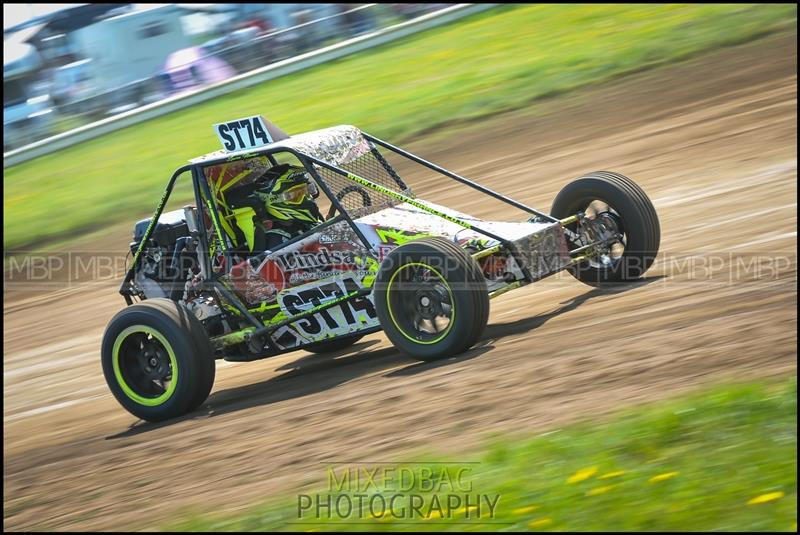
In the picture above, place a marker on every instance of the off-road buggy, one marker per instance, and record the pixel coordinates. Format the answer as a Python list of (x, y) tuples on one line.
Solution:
[(201, 286)]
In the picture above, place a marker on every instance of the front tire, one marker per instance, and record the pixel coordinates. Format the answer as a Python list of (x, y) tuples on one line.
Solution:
[(156, 360), (431, 299), (629, 205)]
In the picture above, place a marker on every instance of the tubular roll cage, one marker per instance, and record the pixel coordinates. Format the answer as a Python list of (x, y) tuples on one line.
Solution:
[(201, 190)]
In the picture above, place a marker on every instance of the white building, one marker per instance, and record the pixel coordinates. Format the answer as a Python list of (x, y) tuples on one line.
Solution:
[(131, 46)]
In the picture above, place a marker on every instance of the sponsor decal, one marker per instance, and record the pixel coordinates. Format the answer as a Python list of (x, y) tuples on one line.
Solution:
[(272, 272), (301, 277), (349, 316), (329, 239), (256, 285), (399, 237), (320, 259)]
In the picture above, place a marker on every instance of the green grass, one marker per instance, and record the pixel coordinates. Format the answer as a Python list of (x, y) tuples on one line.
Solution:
[(494, 61), (689, 464)]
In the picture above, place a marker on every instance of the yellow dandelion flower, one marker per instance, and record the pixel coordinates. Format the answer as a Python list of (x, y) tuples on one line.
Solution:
[(663, 477), (599, 490), (542, 522), (612, 474), (523, 510), (764, 498), (582, 475)]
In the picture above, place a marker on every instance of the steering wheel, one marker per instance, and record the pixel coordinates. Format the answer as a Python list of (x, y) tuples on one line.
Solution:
[(365, 198)]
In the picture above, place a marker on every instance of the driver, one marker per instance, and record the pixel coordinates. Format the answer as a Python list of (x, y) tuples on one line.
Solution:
[(280, 207)]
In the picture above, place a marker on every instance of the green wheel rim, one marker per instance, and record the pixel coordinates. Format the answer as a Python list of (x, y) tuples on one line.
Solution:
[(117, 365), (392, 285)]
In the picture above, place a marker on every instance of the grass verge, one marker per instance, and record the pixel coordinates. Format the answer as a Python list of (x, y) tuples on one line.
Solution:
[(724, 459), (495, 61)]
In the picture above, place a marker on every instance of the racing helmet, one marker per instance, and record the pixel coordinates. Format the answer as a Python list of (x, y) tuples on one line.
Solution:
[(290, 198)]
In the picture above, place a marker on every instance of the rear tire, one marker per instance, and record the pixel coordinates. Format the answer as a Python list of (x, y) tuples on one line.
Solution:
[(157, 360), (431, 299), (639, 222), (202, 344)]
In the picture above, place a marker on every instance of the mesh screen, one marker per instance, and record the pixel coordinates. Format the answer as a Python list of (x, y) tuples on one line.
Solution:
[(359, 200)]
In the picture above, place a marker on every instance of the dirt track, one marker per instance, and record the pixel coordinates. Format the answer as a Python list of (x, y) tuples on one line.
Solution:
[(712, 141)]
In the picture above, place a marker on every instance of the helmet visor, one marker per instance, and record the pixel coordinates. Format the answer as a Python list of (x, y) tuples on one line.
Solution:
[(295, 194)]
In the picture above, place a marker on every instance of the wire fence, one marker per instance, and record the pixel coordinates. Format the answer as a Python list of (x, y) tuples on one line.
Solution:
[(190, 69)]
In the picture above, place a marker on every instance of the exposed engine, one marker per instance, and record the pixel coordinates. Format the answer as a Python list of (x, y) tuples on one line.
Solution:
[(166, 258), (169, 266)]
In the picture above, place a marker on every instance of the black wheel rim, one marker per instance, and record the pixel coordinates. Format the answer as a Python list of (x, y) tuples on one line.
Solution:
[(420, 303), (144, 365)]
